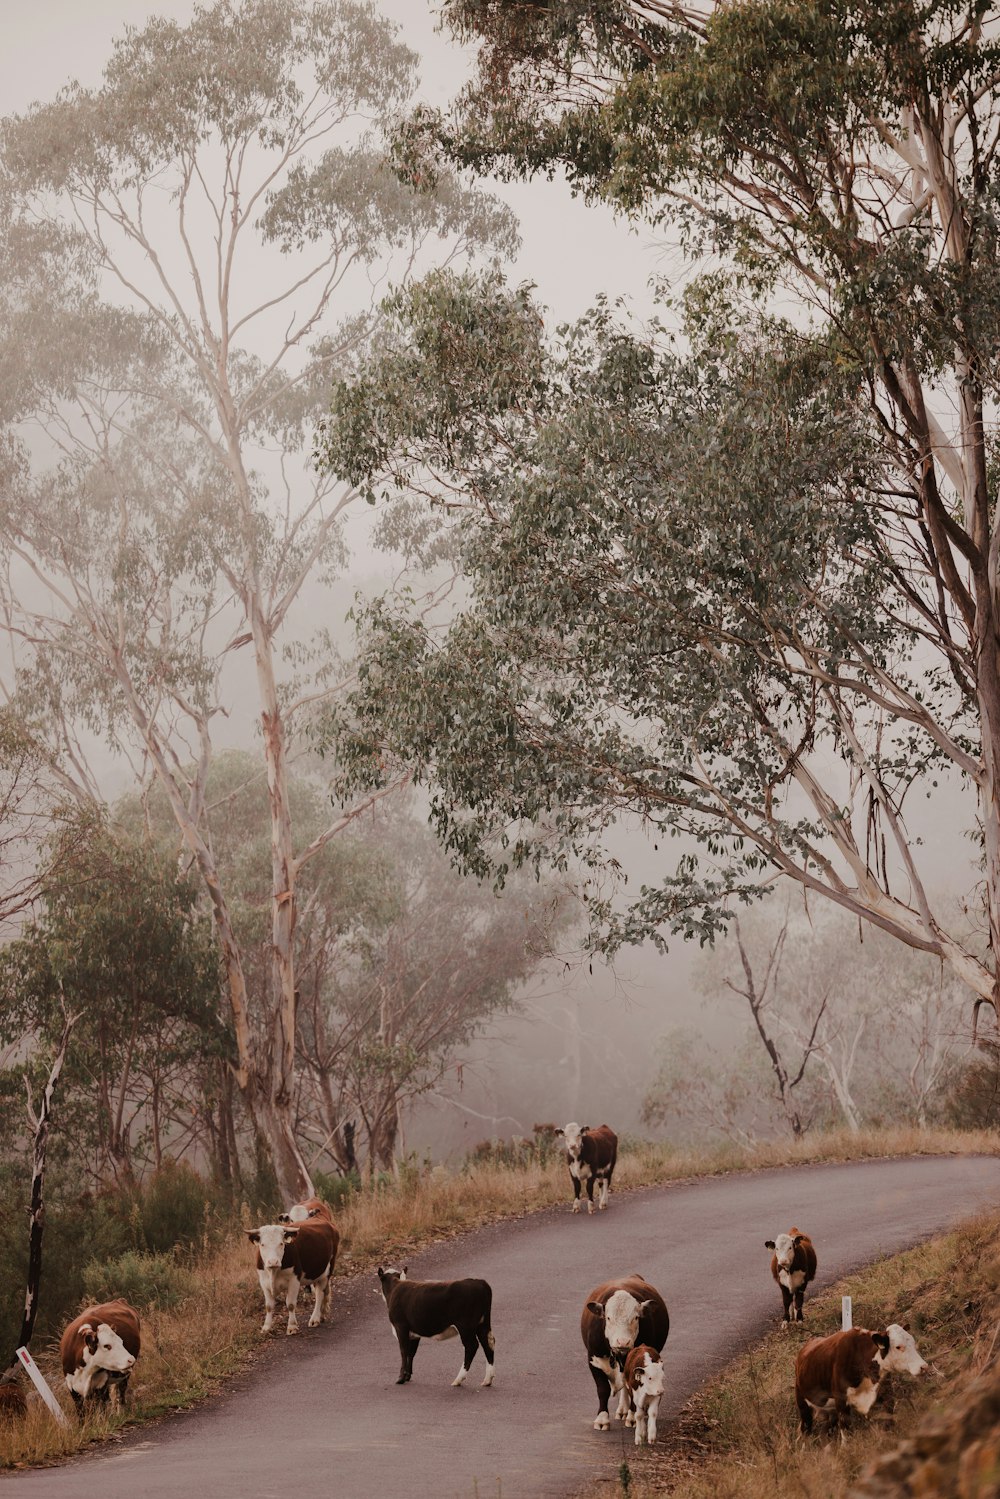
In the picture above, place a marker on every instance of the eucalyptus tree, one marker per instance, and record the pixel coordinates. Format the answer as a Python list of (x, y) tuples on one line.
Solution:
[(760, 583), (191, 250)]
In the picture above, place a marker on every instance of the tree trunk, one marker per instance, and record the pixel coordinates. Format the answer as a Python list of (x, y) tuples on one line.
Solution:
[(40, 1123)]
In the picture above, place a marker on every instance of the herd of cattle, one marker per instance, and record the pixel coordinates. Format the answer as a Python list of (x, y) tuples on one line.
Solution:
[(624, 1323)]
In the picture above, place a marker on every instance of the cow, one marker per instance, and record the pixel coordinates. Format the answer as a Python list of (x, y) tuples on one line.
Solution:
[(591, 1154), (841, 1373), (294, 1254), (98, 1351), (793, 1265), (300, 1212), (618, 1315), (439, 1309), (644, 1385)]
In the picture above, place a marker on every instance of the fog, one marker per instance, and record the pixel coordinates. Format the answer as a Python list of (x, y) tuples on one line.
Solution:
[(584, 1047)]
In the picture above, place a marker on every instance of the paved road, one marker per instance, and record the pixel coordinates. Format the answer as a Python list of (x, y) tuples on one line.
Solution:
[(326, 1403)]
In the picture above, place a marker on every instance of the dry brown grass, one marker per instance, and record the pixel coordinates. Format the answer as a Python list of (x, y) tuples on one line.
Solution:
[(738, 1439), (175, 1370)]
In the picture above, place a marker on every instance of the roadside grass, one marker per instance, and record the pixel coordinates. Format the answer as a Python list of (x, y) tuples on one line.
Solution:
[(383, 1226), (738, 1437)]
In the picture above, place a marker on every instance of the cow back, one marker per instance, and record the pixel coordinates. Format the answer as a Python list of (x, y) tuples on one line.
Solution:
[(654, 1321), (428, 1307), (804, 1257), (119, 1316), (830, 1366), (313, 1207), (599, 1147), (313, 1249)]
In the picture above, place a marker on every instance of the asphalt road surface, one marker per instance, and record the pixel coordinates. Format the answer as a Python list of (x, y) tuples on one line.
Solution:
[(324, 1408)]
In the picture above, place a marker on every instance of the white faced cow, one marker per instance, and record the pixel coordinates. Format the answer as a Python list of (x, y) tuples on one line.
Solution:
[(292, 1254), (98, 1350), (591, 1154), (644, 1387), (618, 1316), (793, 1265), (841, 1373)]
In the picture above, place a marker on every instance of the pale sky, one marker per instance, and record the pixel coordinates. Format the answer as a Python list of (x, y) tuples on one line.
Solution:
[(570, 250)]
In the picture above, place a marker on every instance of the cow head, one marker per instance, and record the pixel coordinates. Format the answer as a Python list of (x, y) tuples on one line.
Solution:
[(620, 1315), (272, 1239), (104, 1349), (388, 1279), (897, 1352), (573, 1138), (784, 1247)]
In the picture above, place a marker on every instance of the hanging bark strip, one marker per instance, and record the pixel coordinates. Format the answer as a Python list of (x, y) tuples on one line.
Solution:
[(40, 1124)]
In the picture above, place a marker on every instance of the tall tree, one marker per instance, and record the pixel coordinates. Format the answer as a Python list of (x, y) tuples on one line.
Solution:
[(190, 251), (752, 595)]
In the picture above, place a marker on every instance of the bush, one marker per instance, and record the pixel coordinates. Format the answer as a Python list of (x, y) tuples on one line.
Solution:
[(143, 1280), (173, 1209), (336, 1190)]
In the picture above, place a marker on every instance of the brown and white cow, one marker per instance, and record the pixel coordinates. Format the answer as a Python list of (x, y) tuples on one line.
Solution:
[(98, 1350), (290, 1255), (793, 1265), (300, 1212), (439, 1309), (591, 1154), (841, 1373), (643, 1376), (618, 1316)]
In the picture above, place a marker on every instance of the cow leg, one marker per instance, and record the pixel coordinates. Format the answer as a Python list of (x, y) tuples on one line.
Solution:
[(639, 1421), (786, 1301), (265, 1285), (319, 1296), (652, 1411), (798, 1303), (576, 1193), (471, 1345), (487, 1343), (590, 1193), (407, 1348), (805, 1416), (291, 1299), (77, 1404), (118, 1391), (603, 1384), (602, 1204), (624, 1411)]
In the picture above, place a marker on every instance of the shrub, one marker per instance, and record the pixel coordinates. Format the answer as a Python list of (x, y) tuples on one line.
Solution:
[(143, 1280), (173, 1208), (336, 1190)]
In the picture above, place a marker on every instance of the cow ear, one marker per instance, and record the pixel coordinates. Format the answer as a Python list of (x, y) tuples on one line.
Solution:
[(585, 1129), (380, 1273), (797, 1240), (90, 1338), (643, 1305), (881, 1340), (284, 1218), (905, 1326), (596, 1310), (291, 1231), (403, 1272), (253, 1234), (768, 1243)]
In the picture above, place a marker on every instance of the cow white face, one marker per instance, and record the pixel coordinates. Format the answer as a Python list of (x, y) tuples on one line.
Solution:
[(621, 1320), (902, 1357), (104, 1349), (573, 1138), (784, 1246), (272, 1239), (650, 1382)]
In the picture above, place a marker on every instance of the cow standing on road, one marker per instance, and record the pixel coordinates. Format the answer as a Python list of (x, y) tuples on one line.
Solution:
[(439, 1309), (591, 1154), (644, 1385), (841, 1373), (617, 1316), (98, 1351), (293, 1254), (793, 1265)]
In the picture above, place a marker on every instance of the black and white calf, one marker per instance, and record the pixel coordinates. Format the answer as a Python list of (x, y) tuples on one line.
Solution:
[(591, 1154), (439, 1309)]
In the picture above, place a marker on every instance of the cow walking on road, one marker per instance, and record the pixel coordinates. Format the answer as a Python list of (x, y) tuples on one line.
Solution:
[(290, 1255), (618, 1316), (841, 1373), (98, 1351), (793, 1265), (591, 1155), (644, 1385), (439, 1309)]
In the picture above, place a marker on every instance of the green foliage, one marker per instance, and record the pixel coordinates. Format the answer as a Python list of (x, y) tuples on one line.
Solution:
[(174, 1209), (143, 1280), (334, 1189)]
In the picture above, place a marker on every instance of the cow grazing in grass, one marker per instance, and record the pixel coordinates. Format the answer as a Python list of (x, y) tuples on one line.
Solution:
[(290, 1255), (618, 1316), (98, 1351), (841, 1373), (439, 1309), (591, 1154), (643, 1375), (793, 1265)]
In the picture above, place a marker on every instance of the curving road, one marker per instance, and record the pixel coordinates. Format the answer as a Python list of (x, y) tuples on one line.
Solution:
[(325, 1406)]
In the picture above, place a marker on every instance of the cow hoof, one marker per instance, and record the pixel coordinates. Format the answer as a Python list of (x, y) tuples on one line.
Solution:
[(315, 1321), (576, 1207), (292, 1329), (630, 1419), (603, 1422), (488, 1380), (402, 1379), (590, 1208)]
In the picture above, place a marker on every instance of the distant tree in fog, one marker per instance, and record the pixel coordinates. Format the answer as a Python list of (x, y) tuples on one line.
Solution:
[(189, 253)]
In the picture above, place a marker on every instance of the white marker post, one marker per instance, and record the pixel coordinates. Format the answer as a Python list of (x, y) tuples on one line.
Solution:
[(846, 1317), (41, 1385)]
